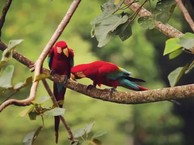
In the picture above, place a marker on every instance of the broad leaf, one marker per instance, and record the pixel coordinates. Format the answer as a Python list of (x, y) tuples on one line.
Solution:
[(105, 25), (147, 22), (55, 112), (42, 100), (175, 53), (176, 75), (190, 67), (187, 40), (124, 31), (87, 129), (105, 30), (7, 53), (79, 133), (99, 134), (164, 10), (31, 137), (6, 77), (171, 45), (21, 85), (26, 111), (108, 9)]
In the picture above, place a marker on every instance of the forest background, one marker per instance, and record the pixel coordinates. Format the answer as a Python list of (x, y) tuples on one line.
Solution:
[(142, 54)]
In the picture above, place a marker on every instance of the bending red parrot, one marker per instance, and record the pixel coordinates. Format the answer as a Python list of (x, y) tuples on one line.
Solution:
[(60, 61), (107, 73)]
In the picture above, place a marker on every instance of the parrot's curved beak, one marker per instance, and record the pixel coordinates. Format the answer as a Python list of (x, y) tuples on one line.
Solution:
[(66, 52)]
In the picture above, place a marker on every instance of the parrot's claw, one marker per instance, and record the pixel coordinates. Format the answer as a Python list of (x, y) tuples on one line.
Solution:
[(65, 80), (89, 87), (52, 72)]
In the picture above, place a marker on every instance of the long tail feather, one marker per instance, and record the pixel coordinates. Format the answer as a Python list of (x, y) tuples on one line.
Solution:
[(57, 122), (131, 85), (135, 79), (59, 92), (141, 88)]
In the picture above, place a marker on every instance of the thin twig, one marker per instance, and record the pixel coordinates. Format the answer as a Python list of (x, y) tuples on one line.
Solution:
[(71, 137), (4, 12), (138, 10), (185, 13)]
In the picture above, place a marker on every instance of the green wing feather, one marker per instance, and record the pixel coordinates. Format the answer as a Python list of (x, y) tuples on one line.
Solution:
[(119, 73)]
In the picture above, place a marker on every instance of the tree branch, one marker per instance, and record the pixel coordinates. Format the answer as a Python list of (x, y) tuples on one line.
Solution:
[(166, 29), (4, 12), (185, 13), (131, 97)]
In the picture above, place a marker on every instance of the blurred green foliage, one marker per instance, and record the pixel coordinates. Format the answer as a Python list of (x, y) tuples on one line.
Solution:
[(35, 21)]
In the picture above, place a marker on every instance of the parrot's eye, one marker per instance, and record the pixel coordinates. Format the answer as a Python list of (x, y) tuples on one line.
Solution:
[(59, 50)]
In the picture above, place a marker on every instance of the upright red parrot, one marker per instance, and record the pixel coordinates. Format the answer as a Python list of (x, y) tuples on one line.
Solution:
[(107, 73), (60, 61)]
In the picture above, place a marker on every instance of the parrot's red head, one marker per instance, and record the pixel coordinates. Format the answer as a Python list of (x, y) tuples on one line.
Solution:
[(61, 44), (61, 47)]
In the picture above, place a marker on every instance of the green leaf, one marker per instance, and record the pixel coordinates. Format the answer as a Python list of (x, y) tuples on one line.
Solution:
[(124, 31), (99, 134), (87, 129), (105, 30), (164, 10), (187, 40), (171, 45), (3, 63), (26, 111), (42, 100), (21, 85), (175, 53), (146, 22), (7, 53), (31, 137), (190, 67), (104, 26), (176, 75), (55, 112), (6, 77), (108, 9)]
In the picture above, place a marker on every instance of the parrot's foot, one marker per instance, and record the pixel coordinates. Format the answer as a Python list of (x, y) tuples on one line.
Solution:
[(65, 80), (112, 90), (52, 72), (89, 87)]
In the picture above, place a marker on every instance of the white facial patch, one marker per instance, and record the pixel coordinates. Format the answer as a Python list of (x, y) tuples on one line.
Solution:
[(59, 50)]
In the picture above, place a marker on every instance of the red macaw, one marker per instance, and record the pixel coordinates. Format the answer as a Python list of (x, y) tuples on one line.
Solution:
[(107, 73), (60, 61)]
